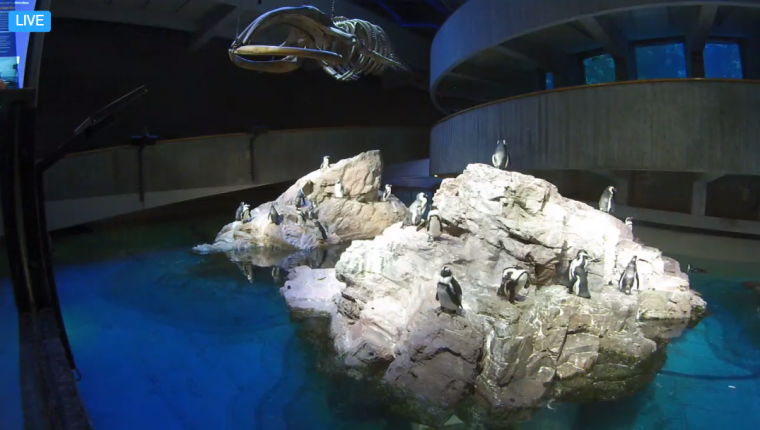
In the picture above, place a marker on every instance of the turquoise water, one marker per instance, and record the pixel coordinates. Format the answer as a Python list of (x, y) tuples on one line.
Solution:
[(166, 339)]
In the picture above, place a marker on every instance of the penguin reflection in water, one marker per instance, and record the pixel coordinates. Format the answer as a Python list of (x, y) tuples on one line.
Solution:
[(449, 293), (607, 201), (500, 157), (629, 277), (513, 279)]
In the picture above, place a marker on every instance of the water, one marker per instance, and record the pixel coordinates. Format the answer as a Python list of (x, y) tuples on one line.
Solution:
[(167, 339)]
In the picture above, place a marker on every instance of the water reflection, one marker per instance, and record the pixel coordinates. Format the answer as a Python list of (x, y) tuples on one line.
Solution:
[(257, 262)]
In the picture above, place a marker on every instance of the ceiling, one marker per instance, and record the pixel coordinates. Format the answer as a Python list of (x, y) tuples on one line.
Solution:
[(423, 17)]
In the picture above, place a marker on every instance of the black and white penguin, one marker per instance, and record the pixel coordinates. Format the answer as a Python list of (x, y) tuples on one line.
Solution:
[(325, 163), (629, 277), (500, 157), (416, 210), (302, 216), (581, 260), (300, 198), (239, 212), (386, 193), (434, 224), (338, 191), (513, 279), (607, 201), (579, 285), (449, 293), (246, 215), (277, 275), (311, 212), (274, 217), (629, 222), (321, 228)]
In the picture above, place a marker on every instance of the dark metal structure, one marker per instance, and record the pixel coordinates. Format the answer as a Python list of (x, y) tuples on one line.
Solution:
[(47, 376)]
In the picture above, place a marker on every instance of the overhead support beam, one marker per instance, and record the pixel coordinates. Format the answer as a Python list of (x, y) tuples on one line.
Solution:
[(697, 38), (612, 40), (210, 24)]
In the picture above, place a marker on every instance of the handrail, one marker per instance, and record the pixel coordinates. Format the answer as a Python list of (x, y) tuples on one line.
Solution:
[(607, 84), (218, 136)]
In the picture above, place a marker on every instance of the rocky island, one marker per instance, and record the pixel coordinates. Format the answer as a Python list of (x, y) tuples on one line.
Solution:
[(358, 213), (496, 360)]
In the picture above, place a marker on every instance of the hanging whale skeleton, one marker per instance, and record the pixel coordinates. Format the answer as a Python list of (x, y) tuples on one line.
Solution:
[(345, 48)]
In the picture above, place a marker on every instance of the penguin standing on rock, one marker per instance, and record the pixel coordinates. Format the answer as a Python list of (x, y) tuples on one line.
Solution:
[(239, 212), (246, 215), (325, 163), (338, 192), (581, 260), (311, 212), (500, 157), (301, 216), (274, 217), (300, 198), (322, 231), (607, 201), (434, 225), (579, 282), (513, 279), (386, 193), (416, 210), (449, 293), (629, 277)]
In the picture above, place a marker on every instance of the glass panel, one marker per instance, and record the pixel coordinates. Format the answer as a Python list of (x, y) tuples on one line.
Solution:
[(723, 60), (599, 69), (549, 81), (660, 61)]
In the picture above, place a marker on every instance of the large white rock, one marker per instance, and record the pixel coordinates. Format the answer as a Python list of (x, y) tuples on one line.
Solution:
[(358, 215), (552, 345)]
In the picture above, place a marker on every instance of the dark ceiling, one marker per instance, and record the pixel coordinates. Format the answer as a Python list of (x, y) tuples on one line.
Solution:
[(423, 17)]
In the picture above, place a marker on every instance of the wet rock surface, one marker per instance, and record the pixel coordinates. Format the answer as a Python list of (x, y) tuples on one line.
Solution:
[(359, 214), (498, 360)]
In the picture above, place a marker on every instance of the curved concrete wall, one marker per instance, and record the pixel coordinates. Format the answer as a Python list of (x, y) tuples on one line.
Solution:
[(482, 24), (94, 185), (685, 125)]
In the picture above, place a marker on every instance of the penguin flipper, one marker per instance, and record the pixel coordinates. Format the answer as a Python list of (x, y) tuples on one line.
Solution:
[(493, 161), (637, 279), (457, 299), (436, 296)]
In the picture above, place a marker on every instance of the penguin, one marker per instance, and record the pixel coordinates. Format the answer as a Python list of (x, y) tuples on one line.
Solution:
[(513, 279), (434, 224), (500, 157), (325, 163), (607, 201), (629, 276), (311, 212), (449, 293), (338, 189), (301, 216), (386, 193), (274, 217), (579, 284), (581, 260), (691, 269), (629, 222), (300, 198), (246, 215), (248, 271), (321, 228), (416, 210), (239, 212)]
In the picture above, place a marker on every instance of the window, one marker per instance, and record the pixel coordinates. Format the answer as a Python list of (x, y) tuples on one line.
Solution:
[(723, 60), (549, 81), (599, 69), (660, 61)]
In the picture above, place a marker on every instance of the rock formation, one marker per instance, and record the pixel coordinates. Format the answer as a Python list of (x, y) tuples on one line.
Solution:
[(503, 358), (358, 215)]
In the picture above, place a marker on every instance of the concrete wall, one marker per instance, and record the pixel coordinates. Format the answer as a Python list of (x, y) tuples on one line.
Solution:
[(88, 64), (94, 185)]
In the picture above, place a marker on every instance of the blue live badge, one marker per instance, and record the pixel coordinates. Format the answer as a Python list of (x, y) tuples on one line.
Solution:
[(29, 22)]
